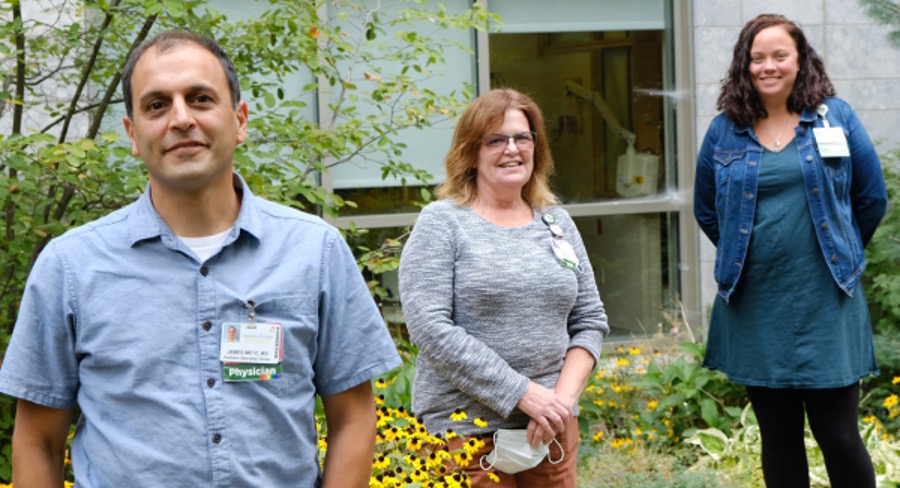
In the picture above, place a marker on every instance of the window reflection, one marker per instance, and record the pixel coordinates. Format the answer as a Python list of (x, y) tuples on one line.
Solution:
[(633, 258), (597, 91)]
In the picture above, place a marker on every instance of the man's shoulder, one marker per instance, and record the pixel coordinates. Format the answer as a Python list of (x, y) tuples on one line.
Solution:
[(110, 223), (286, 218)]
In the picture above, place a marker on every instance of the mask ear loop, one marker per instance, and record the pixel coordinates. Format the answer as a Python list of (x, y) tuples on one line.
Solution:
[(481, 461), (562, 453)]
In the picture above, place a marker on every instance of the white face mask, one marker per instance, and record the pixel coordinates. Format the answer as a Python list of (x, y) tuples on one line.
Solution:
[(512, 452)]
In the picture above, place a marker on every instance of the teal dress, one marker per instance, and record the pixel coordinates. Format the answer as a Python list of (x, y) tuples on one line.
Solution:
[(787, 324)]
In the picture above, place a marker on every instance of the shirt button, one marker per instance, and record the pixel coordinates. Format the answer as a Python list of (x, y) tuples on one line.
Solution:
[(803, 131), (815, 192), (824, 226), (206, 325), (744, 231), (216, 438), (204, 270), (834, 259), (211, 382), (748, 196), (809, 159)]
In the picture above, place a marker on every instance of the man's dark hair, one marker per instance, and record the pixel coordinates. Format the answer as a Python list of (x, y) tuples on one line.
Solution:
[(739, 99), (169, 39)]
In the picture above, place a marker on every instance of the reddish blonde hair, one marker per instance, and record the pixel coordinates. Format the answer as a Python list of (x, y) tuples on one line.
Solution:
[(484, 114)]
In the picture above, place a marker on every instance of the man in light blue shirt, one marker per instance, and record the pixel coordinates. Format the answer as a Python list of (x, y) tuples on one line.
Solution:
[(127, 317)]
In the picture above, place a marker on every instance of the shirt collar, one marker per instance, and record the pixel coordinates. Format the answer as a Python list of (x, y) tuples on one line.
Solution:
[(145, 222)]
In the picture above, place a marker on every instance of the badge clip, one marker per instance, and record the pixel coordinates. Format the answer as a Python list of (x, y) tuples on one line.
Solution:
[(250, 305)]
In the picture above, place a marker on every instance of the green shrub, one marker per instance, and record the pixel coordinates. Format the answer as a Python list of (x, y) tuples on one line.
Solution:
[(656, 392)]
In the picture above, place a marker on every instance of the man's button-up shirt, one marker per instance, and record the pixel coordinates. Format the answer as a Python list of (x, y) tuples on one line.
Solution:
[(120, 317)]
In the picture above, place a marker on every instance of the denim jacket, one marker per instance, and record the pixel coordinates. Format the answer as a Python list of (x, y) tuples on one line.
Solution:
[(846, 195)]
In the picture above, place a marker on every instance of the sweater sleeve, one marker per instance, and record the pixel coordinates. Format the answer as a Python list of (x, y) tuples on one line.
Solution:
[(427, 295), (587, 321)]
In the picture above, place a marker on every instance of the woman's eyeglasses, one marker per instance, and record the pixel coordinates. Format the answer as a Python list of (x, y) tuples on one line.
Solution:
[(497, 142)]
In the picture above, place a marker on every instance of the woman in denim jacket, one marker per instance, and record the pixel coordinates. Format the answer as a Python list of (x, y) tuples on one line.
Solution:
[(790, 190)]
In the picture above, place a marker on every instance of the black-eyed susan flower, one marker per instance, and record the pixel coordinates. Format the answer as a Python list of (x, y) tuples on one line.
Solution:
[(473, 445), (462, 459), (480, 422), (493, 477), (458, 415), (381, 463)]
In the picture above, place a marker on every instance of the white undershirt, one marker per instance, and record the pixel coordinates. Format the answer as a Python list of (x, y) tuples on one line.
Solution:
[(206, 247)]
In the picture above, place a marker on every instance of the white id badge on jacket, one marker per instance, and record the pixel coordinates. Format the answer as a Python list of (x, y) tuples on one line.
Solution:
[(831, 142)]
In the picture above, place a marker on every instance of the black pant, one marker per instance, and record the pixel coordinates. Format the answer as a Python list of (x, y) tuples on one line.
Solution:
[(833, 419)]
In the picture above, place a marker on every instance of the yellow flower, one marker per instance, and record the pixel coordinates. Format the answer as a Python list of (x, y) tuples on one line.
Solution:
[(414, 444), (891, 401), (869, 419), (493, 477), (458, 415), (599, 403), (473, 445), (651, 405), (450, 434), (896, 380), (622, 362), (598, 436), (381, 463), (380, 383), (462, 459), (634, 351), (480, 422), (419, 475)]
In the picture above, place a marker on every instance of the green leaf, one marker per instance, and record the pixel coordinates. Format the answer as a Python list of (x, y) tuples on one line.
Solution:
[(713, 441)]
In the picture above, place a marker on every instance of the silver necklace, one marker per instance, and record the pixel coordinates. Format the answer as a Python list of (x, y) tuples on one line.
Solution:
[(777, 142)]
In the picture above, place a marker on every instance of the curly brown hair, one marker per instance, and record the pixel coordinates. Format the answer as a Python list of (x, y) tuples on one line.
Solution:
[(739, 99), (484, 114)]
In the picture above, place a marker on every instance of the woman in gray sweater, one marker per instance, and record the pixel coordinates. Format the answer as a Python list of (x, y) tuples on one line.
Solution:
[(500, 299)]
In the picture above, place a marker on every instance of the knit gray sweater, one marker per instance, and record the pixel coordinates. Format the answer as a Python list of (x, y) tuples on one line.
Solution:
[(489, 308)]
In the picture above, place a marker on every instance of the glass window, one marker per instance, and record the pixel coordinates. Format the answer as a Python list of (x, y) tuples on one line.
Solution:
[(596, 91), (599, 85), (634, 258), (361, 179)]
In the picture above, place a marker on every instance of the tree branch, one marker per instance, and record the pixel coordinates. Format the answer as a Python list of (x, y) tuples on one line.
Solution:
[(9, 209), (69, 190), (86, 72)]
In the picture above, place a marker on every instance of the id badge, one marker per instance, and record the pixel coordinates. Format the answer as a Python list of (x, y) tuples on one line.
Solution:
[(251, 351), (565, 254), (831, 142)]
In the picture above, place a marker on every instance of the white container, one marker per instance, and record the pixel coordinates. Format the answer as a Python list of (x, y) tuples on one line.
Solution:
[(636, 174)]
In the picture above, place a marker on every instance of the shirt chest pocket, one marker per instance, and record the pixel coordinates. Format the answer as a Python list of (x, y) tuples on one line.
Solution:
[(727, 165), (299, 321)]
